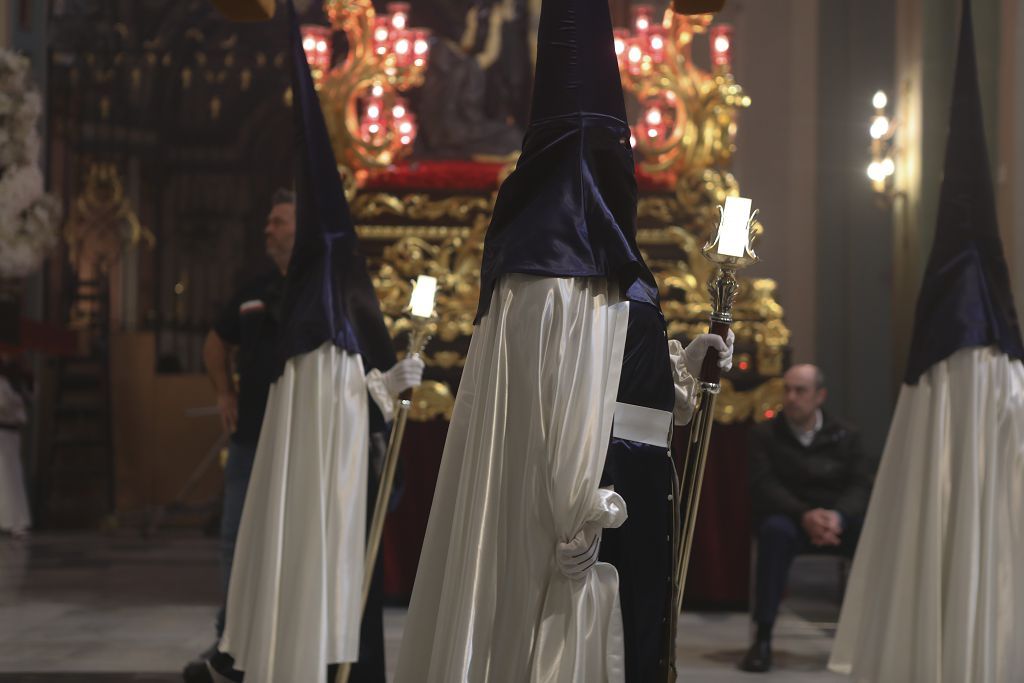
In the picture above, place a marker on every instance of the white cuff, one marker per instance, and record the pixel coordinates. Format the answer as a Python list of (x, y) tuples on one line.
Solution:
[(379, 392), (577, 556), (685, 383), (645, 425)]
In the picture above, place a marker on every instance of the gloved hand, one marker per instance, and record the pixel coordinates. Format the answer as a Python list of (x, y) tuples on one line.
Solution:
[(406, 374), (693, 354), (576, 557)]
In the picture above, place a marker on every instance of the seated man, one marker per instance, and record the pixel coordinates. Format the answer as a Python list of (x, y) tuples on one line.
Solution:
[(810, 482)]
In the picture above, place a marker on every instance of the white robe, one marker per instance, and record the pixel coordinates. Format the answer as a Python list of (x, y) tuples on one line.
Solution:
[(520, 473), (295, 594), (14, 511), (936, 594)]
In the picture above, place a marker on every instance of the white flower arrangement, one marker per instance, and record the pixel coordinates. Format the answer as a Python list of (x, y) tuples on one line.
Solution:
[(29, 217)]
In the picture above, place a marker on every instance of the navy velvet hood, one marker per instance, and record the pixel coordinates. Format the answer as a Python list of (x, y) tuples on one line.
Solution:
[(328, 295), (569, 208), (966, 299)]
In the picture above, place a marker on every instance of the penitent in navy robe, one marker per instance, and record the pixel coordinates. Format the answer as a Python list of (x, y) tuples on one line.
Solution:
[(643, 474)]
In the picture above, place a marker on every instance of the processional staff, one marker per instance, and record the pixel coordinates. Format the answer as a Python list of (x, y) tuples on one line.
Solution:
[(730, 249), (421, 318)]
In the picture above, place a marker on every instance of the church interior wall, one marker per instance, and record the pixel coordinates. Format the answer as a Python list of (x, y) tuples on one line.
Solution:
[(776, 62), (854, 269)]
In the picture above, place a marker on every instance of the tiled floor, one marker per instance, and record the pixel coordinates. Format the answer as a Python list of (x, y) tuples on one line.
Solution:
[(119, 609)]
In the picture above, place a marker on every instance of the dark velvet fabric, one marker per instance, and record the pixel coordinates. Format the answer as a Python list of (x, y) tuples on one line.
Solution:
[(569, 208), (641, 549), (328, 295), (966, 298), (577, 70)]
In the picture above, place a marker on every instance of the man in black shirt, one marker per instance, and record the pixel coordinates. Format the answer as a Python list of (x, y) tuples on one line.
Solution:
[(249, 323), (810, 482)]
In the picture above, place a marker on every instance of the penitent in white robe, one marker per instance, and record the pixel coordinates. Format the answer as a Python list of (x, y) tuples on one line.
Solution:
[(14, 512), (520, 473), (936, 594), (295, 594)]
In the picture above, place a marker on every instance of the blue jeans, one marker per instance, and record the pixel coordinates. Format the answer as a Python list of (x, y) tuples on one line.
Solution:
[(236, 481)]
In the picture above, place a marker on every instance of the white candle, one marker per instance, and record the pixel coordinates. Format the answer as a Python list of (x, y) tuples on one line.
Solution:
[(732, 235), (423, 293)]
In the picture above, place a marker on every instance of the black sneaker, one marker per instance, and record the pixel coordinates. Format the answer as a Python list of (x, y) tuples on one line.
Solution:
[(758, 658), (222, 669), (196, 672)]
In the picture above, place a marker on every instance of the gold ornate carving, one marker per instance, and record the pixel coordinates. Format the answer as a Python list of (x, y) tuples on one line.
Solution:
[(101, 227), (662, 209), (363, 71), (455, 262), (452, 254), (102, 223), (430, 401), (759, 404), (703, 106), (392, 233), (418, 207)]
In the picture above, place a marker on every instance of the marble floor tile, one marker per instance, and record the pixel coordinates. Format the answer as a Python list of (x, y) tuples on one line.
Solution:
[(118, 608)]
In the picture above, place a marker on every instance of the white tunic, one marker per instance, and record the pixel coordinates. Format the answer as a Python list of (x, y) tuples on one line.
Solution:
[(294, 599), (14, 512), (520, 473), (936, 592)]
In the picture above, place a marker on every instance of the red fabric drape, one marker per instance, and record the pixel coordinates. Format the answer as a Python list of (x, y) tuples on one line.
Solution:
[(42, 337), (407, 522)]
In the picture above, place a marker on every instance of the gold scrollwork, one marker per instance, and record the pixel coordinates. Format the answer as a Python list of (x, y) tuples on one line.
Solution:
[(452, 254), (703, 106), (663, 209), (418, 207), (392, 233), (362, 71), (103, 222), (430, 401), (454, 261), (759, 404)]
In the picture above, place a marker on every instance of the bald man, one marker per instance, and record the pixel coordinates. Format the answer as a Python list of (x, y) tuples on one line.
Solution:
[(810, 482)]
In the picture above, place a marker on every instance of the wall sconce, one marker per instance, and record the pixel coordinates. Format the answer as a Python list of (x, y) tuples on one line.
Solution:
[(882, 129)]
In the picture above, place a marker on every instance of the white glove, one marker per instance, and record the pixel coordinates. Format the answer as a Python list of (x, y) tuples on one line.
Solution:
[(406, 374), (693, 355), (576, 557), (685, 383)]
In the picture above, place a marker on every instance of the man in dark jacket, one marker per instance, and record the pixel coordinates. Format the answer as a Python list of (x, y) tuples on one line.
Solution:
[(810, 482)]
